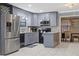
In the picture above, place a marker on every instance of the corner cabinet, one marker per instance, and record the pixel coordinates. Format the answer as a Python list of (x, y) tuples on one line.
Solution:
[(53, 16), (34, 20)]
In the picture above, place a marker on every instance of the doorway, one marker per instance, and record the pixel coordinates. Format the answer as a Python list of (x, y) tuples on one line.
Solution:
[(70, 29)]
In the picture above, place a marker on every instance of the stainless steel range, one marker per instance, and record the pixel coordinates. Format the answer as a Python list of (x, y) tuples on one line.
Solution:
[(9, 33)]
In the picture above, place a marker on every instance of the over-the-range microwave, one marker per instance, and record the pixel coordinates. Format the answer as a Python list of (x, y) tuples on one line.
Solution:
[(45, 23)]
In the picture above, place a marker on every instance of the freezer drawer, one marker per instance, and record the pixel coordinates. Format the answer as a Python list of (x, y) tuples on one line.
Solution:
[(12, 45)]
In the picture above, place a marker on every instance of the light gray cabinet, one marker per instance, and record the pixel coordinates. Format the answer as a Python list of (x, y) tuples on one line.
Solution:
[(31, 38), (28, 20), (48, 40), (28, 39), (34, 20), (51, 39), (53, 16), (23, 15), (36, 37), (42, 17)]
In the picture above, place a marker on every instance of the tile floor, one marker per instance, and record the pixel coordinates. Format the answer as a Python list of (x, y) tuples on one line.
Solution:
[(64, 49)]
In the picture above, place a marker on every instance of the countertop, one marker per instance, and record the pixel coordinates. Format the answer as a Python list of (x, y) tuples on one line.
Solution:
[(31, 32), (50, 32), (28, 32)]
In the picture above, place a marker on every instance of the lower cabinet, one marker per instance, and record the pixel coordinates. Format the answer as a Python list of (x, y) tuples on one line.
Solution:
[(31, 38)]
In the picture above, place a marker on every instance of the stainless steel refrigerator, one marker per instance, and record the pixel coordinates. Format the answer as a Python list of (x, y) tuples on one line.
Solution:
[(9, 33)]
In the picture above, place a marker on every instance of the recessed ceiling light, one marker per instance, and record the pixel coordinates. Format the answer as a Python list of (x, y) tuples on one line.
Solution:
[(29, 5), (41, 10)]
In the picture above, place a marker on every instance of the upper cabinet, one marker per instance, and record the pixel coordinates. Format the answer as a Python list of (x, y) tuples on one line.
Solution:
[(53, 16), (50, 16), (34, 20), (43, 17), (24, 15)]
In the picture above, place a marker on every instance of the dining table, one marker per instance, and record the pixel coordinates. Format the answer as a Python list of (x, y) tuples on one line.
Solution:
[(74, 35)]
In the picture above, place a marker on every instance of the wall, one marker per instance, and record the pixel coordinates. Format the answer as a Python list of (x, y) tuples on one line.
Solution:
[(69, 13)]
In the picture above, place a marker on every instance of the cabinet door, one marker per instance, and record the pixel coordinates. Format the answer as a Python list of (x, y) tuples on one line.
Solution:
[(29, 39), (39, 18), (35, 37), (35, 20), (26, 39), (28, 20), (53, 19)]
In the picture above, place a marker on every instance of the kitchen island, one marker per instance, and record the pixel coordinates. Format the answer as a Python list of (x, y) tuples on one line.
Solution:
[(51, 39)]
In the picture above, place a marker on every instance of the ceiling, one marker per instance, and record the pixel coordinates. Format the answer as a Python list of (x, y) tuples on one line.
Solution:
[(45, 7)]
